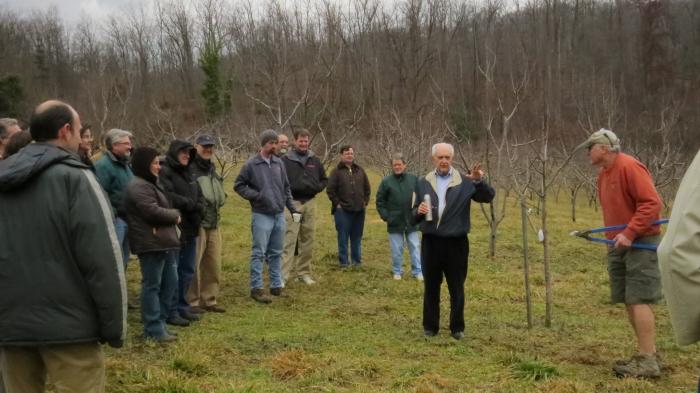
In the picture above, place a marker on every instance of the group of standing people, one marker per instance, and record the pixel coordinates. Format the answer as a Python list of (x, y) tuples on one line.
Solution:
[(167, 212), (57, 204)]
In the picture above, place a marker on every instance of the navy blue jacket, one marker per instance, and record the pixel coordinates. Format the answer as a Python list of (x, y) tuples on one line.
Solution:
[(455, 219), (265, 185)]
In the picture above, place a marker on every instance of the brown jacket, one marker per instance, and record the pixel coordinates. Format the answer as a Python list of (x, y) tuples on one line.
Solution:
[(348, 188), (151, 218)]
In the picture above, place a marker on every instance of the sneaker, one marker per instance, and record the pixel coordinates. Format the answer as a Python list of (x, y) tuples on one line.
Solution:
[(177, 321), (419, 277), (197, 310), (190, 316), (306, 279), (639, 366), (259, 295), (215, 308), (397, 276), (429, 333), (278, 292), (457, 335)]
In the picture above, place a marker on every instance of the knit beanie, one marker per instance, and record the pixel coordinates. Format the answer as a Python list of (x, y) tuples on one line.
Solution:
[(141, 160), (267, 136)]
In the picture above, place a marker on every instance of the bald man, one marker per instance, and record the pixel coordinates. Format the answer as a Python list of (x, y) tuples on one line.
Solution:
[(63, 289)]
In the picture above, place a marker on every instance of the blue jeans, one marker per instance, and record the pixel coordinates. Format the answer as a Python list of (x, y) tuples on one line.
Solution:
[(158, 286), (268, 243), (186, 263), (122, 229), (396, 241), (349, 225)]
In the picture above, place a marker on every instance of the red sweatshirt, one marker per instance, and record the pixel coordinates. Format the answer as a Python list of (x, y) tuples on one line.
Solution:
[(627, 196)]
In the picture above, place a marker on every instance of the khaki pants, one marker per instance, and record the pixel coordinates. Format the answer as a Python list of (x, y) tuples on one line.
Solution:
[(204, 288), (71, 368), (303, 232)]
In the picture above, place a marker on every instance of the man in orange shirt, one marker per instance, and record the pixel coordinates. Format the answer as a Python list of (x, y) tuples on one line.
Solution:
[(628, 196)]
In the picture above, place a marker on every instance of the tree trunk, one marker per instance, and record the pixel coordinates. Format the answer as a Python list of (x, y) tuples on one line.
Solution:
[(526, 261)]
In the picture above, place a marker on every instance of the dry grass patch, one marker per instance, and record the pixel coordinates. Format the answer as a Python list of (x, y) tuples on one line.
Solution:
[(292, 364)]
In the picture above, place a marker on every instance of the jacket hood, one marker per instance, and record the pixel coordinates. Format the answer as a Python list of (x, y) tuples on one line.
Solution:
[(176, 146), (31, 161)]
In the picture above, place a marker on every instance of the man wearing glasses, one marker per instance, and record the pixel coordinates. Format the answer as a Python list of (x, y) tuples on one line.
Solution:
[(113, 172)]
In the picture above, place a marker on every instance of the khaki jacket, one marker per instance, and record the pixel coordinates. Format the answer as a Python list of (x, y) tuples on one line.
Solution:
[(679, 258)]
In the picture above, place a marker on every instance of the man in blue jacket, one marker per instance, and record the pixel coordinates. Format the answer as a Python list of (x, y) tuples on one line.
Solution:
[(62, 280), (263, 182), (445, 245)]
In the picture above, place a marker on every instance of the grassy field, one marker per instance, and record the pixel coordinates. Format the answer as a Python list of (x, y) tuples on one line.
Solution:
[(360, 331)]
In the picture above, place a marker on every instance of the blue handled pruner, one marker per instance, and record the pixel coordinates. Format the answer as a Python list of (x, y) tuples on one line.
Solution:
[(587, 235)]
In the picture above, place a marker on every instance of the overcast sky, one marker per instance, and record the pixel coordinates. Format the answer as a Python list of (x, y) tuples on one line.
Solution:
[(72, 10)]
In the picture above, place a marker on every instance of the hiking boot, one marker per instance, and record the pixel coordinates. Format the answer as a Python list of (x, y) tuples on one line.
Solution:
[(306, 279), (190, 316), (177, 321), (278, 292), (625, 362), (260, 296), (215, 308), (639, 366)]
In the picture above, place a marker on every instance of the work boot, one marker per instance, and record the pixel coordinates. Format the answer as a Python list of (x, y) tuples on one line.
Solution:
[(177, 320), (215, 308), (197, 310), (639, 366), (190, 316), (260, 296), (278, 292)]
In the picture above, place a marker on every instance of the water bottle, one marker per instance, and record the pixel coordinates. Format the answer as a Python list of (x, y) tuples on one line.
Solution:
[(429, 214)]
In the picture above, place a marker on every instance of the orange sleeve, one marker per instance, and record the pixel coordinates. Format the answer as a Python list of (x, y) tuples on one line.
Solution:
[(648, 204)]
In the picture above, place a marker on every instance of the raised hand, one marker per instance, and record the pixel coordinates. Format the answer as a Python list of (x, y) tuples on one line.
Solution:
[(476, 174)]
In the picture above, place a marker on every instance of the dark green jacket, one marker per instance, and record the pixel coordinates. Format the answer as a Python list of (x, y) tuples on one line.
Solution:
[(114, 174), (395, 200), (212, 187), (61, 272)]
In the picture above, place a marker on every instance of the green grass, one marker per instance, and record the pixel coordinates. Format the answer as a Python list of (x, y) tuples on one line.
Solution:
[(360, 331)]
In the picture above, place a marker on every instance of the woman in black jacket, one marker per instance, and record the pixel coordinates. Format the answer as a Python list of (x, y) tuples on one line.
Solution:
[(184, 193), (153, 237)]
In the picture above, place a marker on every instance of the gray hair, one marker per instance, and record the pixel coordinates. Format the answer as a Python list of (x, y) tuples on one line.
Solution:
[(397, 157), (449, 147), (6, 123), (114, 135)]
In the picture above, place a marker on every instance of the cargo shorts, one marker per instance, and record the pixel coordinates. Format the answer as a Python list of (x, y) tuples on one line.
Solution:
[(634, 274)]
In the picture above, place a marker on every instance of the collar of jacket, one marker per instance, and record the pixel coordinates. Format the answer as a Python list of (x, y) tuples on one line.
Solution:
[(205, 165), (456, 180), (258, 159), (121, 161), (294, 155), (342, 165)]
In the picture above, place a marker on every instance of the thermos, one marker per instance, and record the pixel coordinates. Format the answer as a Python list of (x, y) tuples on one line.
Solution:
[(429, 214)]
